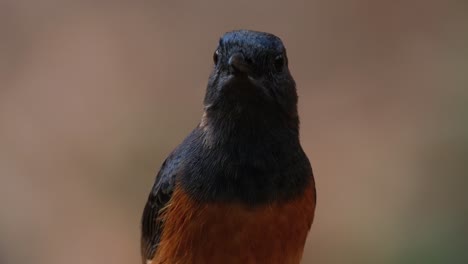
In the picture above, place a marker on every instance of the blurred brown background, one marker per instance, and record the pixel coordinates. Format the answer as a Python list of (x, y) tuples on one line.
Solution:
[(94, 95)]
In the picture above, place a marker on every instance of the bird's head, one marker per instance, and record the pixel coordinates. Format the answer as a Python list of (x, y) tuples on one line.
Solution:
[(251, 78)]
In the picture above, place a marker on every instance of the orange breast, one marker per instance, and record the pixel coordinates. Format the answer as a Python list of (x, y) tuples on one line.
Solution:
[(232, 233)]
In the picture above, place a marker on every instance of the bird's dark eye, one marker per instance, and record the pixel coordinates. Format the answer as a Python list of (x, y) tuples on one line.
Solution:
[(279, 63), (215, 57)]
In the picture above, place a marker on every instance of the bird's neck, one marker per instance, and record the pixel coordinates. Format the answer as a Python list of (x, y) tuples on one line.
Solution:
[(246, 130), (253, 161)]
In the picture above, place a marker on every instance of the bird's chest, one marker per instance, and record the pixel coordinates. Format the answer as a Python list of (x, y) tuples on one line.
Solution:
[(233, 233)]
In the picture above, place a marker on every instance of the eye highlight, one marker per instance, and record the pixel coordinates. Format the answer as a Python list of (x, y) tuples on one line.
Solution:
[(216, 57), (279, 63)]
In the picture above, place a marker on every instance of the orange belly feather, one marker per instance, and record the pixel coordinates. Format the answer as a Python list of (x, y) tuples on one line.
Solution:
[(224, 233)]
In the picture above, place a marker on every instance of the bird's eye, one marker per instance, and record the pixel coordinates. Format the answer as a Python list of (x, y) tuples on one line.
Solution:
[(215, 57), (279, 63)]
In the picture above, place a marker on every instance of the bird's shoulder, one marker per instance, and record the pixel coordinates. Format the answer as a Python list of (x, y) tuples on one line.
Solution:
[(160, 196)]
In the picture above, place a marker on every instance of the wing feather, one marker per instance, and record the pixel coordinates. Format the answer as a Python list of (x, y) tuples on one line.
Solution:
[(151, 222)]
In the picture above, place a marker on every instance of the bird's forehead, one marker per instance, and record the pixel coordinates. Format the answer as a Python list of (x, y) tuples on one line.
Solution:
[(252, 40)]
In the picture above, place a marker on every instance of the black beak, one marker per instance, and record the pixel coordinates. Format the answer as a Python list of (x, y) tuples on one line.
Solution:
[(238, 64)]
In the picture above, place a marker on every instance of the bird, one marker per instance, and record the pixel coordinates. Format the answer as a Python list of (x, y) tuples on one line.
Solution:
[(239, 188)]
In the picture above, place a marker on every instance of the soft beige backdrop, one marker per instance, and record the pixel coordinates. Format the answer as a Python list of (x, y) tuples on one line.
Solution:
[(95, 94)]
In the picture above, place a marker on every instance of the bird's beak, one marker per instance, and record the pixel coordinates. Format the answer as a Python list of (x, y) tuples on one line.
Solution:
[(239, 65)]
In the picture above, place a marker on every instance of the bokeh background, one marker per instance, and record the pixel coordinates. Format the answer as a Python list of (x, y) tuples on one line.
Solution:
[(95, 94)]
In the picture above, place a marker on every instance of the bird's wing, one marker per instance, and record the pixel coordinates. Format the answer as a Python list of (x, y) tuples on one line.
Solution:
[(151, 222)]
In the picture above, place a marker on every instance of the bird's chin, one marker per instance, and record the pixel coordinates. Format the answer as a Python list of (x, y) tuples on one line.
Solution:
[(238, 82), (240, 79), (242, 89)]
